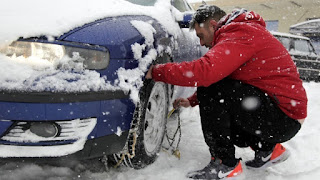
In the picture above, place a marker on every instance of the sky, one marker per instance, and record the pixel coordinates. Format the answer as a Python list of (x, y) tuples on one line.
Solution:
[(20, 18)]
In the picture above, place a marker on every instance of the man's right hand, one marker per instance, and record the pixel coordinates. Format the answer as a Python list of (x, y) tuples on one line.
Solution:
[(184, 102)]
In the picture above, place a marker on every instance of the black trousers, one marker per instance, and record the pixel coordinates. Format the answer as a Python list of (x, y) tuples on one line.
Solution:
[(234, 113)]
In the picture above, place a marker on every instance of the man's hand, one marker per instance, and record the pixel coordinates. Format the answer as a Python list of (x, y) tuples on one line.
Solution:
[(181, 102), (177, 103), (149, 73)]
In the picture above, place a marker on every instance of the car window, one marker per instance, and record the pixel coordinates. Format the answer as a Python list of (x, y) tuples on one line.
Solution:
[(285, 41), (316, 45), (143, 2), (181, 5), (302, 46)]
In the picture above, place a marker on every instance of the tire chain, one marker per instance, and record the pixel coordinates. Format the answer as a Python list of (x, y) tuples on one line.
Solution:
[(175, 150), (132, 140)]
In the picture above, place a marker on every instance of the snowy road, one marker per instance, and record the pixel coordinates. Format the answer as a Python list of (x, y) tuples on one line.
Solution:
[(302, 165)]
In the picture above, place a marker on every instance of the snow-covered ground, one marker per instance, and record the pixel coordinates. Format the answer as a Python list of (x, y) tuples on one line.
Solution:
[(303, 163)]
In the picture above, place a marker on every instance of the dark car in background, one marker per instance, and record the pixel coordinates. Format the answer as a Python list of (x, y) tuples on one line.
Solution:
[(303, 54), (60, 125)]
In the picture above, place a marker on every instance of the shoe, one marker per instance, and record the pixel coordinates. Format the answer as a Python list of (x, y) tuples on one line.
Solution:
[(264, 159), (216, 170)]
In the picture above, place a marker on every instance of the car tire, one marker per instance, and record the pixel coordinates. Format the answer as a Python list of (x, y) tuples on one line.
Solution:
[(141, 150), (150, 117), (154, 110)]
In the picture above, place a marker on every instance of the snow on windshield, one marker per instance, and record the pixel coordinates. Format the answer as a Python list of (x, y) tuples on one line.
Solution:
[(51, 18)]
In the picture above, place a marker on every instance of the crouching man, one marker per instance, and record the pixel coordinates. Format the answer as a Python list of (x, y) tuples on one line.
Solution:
[(248, 90)]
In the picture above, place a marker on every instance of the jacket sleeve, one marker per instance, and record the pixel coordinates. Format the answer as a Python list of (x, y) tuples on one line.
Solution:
[(228, 54), (193, 100)]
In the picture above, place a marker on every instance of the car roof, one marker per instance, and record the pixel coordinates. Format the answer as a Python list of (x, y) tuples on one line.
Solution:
[(306, 22), (289, 35)]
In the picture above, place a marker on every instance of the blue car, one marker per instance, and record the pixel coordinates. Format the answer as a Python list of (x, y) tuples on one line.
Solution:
[(124, 123)]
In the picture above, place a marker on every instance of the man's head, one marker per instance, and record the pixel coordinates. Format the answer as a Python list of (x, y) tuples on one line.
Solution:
[(204, 21)]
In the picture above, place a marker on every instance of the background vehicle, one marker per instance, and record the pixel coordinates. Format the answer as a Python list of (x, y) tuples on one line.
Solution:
[(122, 113), (309, 29), (303, 54)]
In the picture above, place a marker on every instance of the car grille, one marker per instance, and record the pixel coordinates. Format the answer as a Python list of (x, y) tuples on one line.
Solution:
[(69, 130)]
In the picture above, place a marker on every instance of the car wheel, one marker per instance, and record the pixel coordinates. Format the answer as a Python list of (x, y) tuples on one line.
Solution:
[(150, 125)]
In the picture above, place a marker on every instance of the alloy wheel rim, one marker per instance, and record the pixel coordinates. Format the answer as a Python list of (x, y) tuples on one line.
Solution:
[(155, 118)]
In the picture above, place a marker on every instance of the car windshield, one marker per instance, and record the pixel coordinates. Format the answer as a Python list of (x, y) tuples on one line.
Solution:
[(143, 2)]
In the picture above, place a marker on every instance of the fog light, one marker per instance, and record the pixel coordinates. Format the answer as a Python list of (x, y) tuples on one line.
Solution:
[(44, 129)]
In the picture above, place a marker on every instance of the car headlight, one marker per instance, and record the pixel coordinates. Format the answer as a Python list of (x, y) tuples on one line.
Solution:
[(92, 58)]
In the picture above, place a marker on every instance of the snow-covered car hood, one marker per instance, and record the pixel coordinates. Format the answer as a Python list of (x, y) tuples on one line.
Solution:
[(54, 18), (34, 18)]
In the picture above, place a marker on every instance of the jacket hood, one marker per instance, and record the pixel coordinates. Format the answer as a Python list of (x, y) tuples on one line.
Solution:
[(241, 15)]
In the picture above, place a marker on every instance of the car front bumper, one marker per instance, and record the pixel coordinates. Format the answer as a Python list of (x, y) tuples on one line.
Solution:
[(92, 149), (90, 125)]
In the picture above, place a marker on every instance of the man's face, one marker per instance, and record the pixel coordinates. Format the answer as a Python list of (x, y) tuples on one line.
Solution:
[(205, 32)]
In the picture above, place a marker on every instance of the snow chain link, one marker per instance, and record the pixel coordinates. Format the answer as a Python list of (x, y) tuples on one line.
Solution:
[(175, 150), (127, 151), (133, 132)]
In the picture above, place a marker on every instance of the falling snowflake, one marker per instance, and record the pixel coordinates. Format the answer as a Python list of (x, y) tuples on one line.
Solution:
[(189, 74), (250, 103), (293, 103)]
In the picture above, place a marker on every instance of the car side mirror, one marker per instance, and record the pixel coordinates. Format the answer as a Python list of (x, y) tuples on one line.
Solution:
[(185, 22)]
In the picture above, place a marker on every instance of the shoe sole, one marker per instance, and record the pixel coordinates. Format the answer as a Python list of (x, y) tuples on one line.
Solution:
[(283, 157)]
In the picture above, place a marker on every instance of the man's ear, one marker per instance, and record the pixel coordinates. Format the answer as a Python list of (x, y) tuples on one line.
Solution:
[(213, 23)]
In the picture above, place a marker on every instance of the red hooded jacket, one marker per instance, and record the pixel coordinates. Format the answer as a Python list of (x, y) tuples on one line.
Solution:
[(243, 49)]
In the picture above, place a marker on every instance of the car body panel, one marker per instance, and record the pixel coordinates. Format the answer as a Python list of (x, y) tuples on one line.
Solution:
[(103, 110), (115, 33), (4, 125)]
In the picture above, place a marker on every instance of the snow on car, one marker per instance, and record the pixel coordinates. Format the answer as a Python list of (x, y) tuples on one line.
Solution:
[(74, 83)]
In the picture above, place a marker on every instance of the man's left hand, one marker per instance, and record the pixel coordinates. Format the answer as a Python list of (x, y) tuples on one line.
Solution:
[(149, 73)]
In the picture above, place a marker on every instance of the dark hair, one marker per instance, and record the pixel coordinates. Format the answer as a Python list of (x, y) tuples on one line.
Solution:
[(205, 12)]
